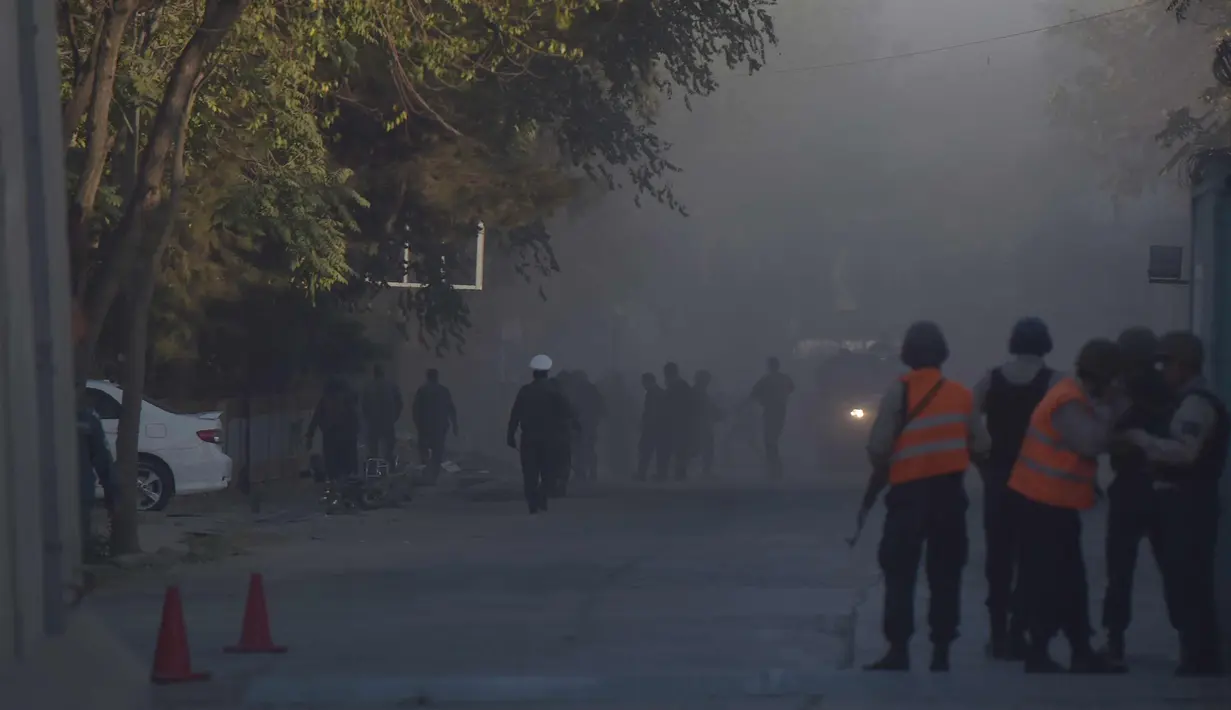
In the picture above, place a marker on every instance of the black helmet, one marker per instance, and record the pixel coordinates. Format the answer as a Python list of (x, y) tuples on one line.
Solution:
[(1030, 336), (1099, 361), (1138, 346), (924, 346)]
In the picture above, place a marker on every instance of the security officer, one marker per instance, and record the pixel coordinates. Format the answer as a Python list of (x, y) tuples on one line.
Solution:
[(1133, 511), (544, 417), (1007, 396), (925, 435), (1188, 462), (1055, 478)]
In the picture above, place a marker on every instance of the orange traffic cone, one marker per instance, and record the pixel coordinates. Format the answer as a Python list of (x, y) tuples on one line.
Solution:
[(255, 636), (172, 662)]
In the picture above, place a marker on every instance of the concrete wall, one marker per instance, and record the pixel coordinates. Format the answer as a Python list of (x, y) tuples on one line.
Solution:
[(50, 656)]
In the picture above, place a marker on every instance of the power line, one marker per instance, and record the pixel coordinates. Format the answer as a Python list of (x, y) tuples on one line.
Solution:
[(961, 45)]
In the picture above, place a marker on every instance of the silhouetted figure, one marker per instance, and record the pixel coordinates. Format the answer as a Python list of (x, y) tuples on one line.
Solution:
[(543, 416), (337, 417), (94, 463), (621, 422), (382, 407), (1055, 478), (434, 414), (707, 416), (1188, 461), (1007, 396), (680, 421), (925, 436), (652, 445), (1133, 507), (591, 410), (772, 392)]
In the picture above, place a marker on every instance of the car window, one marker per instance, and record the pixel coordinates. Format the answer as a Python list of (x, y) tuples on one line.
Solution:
[(104, 404)]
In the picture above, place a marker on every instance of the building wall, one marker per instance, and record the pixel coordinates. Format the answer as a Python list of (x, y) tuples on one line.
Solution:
[(50, 656), (1210, 309)]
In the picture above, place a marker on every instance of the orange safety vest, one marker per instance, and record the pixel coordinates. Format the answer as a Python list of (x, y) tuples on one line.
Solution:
[(1046, 470), (934, 443)]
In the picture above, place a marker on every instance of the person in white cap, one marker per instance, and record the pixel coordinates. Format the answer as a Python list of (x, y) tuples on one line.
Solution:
[(543, 415)]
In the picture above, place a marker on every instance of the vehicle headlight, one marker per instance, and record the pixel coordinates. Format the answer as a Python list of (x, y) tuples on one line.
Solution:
[(857, 413)]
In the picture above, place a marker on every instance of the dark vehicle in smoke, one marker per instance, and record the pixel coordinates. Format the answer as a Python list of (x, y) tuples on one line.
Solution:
[(849, 386)]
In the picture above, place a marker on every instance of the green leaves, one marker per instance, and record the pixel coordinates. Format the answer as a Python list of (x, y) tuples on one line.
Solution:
[(331, 135)]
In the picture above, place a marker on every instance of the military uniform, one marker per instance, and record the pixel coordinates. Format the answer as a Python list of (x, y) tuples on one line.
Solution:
[(1055, 478), (1133, 506), (1189, 462), (924, 434)]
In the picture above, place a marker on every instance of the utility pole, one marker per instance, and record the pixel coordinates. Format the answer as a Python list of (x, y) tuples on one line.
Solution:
[(51, 656)]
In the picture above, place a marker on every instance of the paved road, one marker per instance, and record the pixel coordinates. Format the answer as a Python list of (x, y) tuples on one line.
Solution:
[(715, 596)]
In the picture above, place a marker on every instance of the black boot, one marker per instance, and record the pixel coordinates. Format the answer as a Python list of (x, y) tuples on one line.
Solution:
[(896, 659), (1114, 653), (998, 647), (940, 658), (1018, 645), (1039, 661), (1198, 665), (1088, 662)]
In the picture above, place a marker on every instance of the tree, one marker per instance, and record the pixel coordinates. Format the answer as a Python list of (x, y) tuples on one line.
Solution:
[(511, 145), (280, 86), (1142, 64), (179, 49)]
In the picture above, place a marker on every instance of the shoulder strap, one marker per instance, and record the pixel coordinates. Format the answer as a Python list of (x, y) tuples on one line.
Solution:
[(923, 403), (1043, 377)]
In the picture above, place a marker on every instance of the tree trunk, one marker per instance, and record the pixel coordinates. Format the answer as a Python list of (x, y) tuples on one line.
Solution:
[(220, 16), (83, 85), (106, 55), (125, 537)]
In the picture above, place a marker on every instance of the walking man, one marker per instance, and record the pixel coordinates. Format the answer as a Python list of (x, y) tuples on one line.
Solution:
[(679, 421), (1188, 462), (707, 416), (652, 444), (1007, 396), (591, 410), (434, 414), (382, 406), (772, 392), (927, 432), (543, 416)]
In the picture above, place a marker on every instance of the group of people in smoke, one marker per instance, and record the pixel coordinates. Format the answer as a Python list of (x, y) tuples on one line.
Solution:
[(1035, 436)]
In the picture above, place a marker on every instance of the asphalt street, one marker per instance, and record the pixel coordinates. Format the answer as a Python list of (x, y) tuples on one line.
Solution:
[(707, 594)]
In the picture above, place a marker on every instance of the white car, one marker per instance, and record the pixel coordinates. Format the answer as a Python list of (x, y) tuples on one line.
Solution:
[(179, 454)]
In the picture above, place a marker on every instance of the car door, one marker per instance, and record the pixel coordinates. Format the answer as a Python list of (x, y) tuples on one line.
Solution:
[(108, 410)]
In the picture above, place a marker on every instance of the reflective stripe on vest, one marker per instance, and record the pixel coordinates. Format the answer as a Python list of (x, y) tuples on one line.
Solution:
[(1047, 471), (934, 443)]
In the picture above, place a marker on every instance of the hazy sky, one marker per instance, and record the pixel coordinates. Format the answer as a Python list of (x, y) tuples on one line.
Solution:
[(935, 186)]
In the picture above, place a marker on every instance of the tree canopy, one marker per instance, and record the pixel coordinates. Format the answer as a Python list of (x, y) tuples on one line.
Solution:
[(1146, 100), (236, 161)]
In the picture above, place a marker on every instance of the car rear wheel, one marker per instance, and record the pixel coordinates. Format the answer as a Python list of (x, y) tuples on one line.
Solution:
[(155, 484)]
